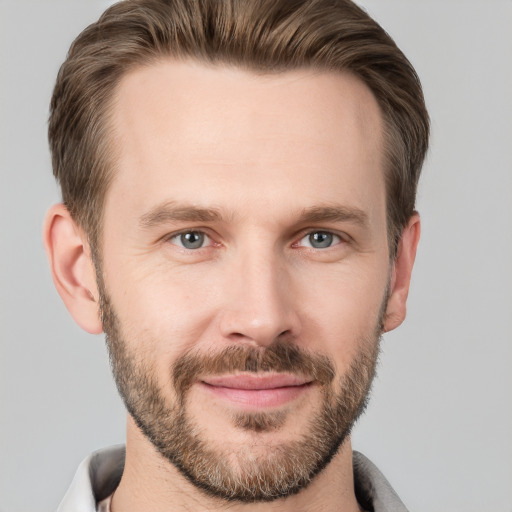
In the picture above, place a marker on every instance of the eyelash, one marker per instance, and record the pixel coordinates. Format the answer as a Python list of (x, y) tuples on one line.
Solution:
[(176, 236), (334, 236)]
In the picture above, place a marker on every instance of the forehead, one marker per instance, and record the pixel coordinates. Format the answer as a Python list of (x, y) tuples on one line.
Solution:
[(183, 127)]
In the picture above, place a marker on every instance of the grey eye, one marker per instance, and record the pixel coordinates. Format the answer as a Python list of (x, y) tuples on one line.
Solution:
[(321, 239), (190, 239)]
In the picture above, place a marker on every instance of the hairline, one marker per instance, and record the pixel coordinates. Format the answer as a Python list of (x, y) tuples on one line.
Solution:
[(110, 143)]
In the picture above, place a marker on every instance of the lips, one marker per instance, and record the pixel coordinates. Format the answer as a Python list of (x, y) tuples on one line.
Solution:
[(255, 391)]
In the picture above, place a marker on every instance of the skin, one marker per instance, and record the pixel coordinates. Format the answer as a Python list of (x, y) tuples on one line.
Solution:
[(260, 151)]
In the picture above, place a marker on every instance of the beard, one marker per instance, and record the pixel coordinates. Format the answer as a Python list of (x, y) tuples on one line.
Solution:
[(241, 474)]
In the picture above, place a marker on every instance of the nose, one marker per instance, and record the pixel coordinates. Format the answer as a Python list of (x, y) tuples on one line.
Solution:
[(259, 306)]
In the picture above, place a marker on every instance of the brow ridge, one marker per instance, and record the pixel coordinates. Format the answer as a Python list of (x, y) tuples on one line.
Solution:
[(171, 211), (334, 213)]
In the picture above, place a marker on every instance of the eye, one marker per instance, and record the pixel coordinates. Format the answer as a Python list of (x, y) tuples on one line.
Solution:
[(320, 240), (191, 240)]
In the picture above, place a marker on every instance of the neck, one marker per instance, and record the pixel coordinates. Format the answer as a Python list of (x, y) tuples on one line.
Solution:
[(151, 483)]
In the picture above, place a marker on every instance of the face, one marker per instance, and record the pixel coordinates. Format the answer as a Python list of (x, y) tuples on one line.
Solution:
[(244, 268)]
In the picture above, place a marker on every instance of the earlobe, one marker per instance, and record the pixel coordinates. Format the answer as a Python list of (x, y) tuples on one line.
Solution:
[(401, 274), (72, 268)]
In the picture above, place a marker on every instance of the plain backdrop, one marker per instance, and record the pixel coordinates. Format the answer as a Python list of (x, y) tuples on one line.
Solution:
[(439, 424)]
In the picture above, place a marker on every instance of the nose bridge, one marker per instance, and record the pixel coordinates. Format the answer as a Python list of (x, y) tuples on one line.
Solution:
[(260, 305)]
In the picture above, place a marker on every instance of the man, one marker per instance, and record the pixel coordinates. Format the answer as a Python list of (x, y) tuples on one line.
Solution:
[(238, 184)]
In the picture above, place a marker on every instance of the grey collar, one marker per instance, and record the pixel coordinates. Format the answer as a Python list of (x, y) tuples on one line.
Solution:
[(373, 492)]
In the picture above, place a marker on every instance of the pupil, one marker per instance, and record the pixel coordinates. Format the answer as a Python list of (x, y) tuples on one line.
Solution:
[(192, 240), (320, 239)]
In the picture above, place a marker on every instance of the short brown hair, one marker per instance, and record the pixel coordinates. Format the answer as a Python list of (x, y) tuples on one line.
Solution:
[(261, 35)]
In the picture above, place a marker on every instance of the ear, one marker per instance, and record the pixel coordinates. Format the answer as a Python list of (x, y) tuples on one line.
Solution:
[(72, 268), (401, 274)]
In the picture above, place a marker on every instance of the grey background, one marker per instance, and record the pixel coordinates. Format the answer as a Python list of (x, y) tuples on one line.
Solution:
[(439, 424)]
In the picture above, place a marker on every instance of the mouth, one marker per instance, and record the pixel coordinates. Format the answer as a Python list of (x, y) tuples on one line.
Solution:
[(257, 391)]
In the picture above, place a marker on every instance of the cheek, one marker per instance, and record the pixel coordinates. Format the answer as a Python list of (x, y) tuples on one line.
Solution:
[(341, 312), (168, 310), (164, 312)]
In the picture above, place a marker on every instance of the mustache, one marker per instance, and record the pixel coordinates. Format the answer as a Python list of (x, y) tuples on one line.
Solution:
[(278, 357)]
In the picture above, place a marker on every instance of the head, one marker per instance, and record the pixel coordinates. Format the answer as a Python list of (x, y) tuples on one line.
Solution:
[(239, 182)]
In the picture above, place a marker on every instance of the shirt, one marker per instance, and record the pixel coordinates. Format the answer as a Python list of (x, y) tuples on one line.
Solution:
[(99, 474)]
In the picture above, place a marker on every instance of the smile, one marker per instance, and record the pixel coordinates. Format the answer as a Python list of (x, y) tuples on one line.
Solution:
[(257, 391)]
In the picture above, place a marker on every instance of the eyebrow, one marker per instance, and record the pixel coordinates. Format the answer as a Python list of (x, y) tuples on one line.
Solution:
[(318, 214), (171, 211)]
